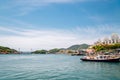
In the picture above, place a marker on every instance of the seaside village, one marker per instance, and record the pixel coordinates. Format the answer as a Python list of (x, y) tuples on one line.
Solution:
[(113, 39), (106, 50)]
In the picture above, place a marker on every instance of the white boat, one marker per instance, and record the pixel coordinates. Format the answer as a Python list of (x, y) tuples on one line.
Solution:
[(101, 58)]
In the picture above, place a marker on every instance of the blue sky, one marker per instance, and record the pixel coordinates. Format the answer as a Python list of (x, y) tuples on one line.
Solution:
[(46, 24)]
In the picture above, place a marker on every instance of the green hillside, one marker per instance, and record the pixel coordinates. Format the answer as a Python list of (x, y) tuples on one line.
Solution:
[(106, 47), (56, 50), (6, 50), (78, 47)]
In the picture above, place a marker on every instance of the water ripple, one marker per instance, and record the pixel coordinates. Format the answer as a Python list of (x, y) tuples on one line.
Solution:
[(55, 67)]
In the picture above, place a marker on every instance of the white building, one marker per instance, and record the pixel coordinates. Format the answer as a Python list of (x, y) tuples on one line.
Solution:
[(112, 40)]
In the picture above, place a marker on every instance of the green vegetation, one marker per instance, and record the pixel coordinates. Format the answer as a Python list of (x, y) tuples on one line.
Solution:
[(106, 47), (40, 52), (78, 47), (70, 51), (54, 50), (6, 50)]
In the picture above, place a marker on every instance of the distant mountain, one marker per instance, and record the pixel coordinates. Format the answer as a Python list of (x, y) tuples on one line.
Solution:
[(78, 47), (62, 50)]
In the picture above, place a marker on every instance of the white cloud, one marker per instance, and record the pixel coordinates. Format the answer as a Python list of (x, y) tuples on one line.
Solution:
[(26, 6), (37, 39), (93, 33), (13, 21), (41, 2), (48, 39), (28, 3)]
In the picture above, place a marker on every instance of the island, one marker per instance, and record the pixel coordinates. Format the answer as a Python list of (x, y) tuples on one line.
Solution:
[(51, 51), (7, 50), (72, 50)]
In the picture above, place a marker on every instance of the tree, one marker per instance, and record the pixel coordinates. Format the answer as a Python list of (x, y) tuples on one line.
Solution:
[(106, 47), (98, 48), (54, 50), (7, 50), (40, 52)]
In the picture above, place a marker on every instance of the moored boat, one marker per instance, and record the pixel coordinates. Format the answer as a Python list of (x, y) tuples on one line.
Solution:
[(101, 58)]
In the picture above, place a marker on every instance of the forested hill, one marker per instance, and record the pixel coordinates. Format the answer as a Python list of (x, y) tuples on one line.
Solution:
[(78, 47), (56, 50), (7, 50)]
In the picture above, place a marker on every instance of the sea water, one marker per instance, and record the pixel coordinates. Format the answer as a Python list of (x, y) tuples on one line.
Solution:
[(55, 67)]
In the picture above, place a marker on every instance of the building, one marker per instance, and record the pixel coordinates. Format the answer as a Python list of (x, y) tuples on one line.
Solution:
[(112, 40), (106, 41)]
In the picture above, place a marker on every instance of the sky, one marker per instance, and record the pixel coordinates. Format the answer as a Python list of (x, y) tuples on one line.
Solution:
[(47, 24)]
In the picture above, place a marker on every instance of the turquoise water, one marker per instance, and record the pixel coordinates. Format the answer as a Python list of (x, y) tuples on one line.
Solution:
[(55, 67)]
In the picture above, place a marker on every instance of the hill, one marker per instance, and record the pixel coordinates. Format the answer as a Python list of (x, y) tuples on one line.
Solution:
[(78, 47), (62, 50), (7, 50)]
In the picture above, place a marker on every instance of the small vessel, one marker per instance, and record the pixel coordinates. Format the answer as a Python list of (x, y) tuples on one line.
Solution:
[(77, 54), (101, 58)]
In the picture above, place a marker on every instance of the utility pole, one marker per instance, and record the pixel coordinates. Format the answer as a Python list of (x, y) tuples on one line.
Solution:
[(19, 50)]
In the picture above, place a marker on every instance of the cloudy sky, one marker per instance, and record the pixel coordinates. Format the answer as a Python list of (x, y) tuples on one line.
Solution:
[(46, 24)]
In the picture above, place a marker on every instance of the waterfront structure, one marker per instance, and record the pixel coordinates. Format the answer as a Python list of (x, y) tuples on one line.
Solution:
[(106, 41), (73, 52), (112, 40), (101, 58)]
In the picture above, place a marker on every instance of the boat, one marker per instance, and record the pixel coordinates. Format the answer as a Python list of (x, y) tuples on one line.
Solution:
[(77, 54), (101, 58)]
